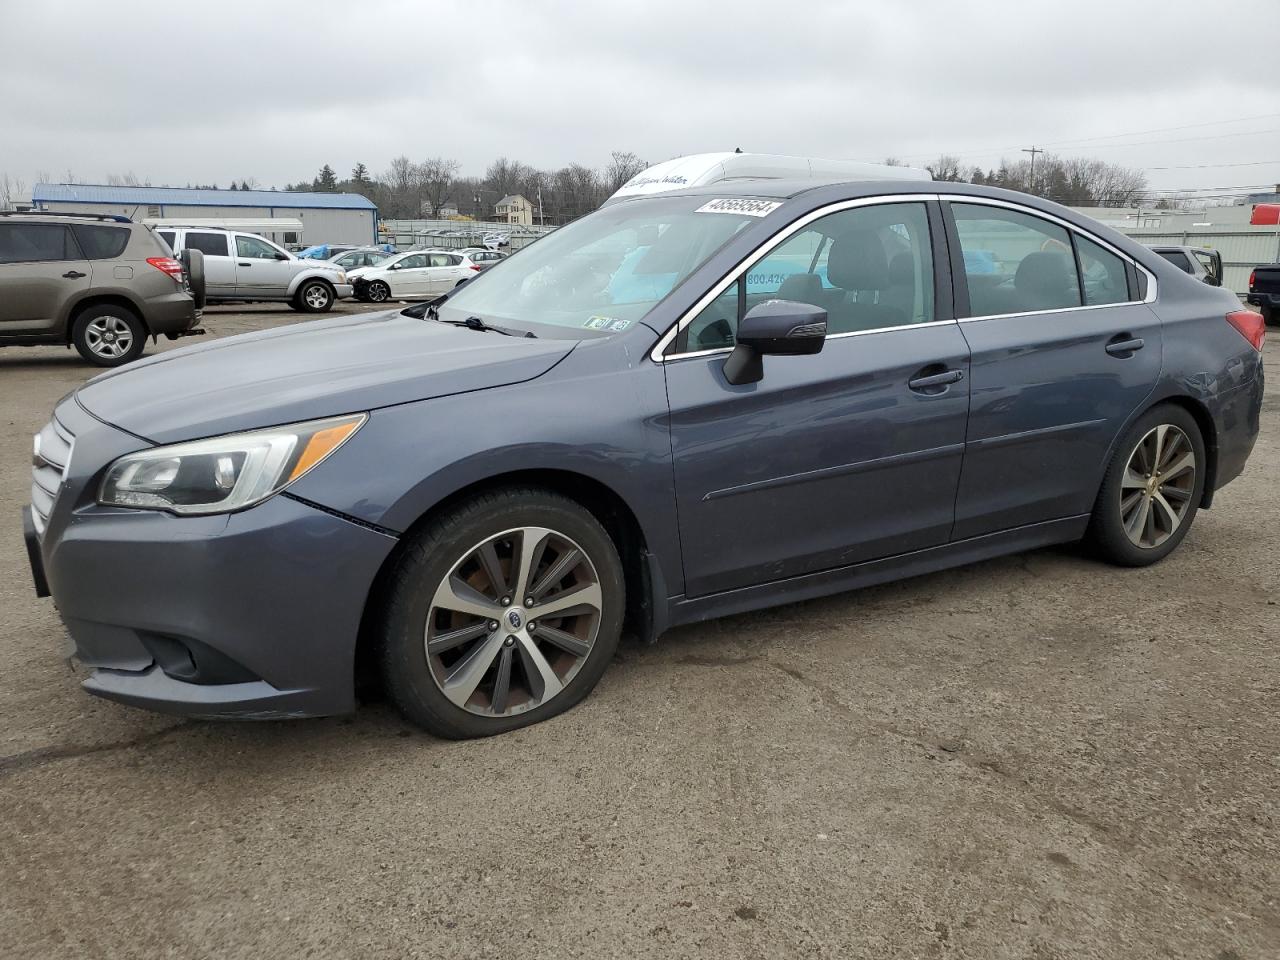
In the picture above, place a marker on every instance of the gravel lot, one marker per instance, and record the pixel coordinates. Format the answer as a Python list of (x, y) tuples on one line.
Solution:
[(1038, 756)]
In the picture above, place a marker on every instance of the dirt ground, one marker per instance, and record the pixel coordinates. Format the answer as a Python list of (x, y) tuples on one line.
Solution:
[(1035, 757)]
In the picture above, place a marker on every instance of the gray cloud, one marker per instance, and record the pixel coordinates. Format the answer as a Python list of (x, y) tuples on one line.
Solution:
[(276, 90)]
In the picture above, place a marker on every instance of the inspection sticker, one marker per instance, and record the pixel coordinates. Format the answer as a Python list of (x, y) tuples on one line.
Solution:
[(752, 208)]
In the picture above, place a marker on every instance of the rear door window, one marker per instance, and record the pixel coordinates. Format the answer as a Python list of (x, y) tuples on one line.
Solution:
[(169, 237), (1102, 273), (1014, 262), (36, 243), (101, 242), (210, 244)]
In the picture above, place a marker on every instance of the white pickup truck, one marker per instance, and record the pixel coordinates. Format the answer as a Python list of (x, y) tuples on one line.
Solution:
[(244, 266)]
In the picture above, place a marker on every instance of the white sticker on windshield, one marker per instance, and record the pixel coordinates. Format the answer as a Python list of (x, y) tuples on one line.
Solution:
[(752, 208)]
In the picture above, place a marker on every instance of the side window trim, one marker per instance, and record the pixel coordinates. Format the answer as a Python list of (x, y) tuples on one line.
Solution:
[(670, 337), (1144, 292)]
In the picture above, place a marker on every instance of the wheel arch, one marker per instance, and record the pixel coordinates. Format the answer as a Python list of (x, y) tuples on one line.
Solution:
[(1208, 433), (306, 277), (645, 615), (91, 299)]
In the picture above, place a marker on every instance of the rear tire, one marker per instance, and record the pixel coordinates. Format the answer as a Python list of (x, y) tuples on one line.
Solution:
[(108, 335), (1151, 490), (314, 296), (497, 666)]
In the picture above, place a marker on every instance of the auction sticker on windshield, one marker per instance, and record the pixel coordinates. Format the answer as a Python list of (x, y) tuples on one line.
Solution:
[(741, 205)]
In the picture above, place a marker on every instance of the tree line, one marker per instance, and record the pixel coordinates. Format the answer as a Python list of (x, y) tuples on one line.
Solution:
[(409, 189), (1074, 181)]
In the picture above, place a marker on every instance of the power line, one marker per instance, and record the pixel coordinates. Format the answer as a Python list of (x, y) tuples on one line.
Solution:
[(1208, 166)]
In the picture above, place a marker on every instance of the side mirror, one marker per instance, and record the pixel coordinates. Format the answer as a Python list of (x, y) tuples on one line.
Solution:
[(776, 327), (281, 256), (394, 266), (1211, 280)]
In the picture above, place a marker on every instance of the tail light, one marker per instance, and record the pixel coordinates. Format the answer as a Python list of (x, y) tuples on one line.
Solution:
[(476, 267), (1250, 325), (1253, 278), (167, 265)]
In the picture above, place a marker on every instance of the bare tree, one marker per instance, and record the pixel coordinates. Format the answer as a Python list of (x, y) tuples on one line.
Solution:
[(946, 167), (129, 179), (622, 167), (435, 179), (12, 192), (892, 161)]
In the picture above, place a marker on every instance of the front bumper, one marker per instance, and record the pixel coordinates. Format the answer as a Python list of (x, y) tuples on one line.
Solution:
[(248, 615), (343, 291)]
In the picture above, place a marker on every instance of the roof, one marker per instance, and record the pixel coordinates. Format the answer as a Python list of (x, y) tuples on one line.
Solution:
[(186, 196), (511, 198)]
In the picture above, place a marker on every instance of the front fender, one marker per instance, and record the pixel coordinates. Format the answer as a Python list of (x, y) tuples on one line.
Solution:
[(305, 275)]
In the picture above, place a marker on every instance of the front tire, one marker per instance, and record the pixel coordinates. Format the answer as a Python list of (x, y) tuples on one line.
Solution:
[(315, 296), (1151, 490), (1269, 316), (108, 335), (502, 612), (378, 292)]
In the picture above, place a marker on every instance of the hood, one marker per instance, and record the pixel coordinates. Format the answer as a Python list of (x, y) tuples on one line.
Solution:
[(309, 370)]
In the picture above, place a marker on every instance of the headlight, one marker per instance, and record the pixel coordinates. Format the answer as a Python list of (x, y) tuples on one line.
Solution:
[(342, 277), (223, 474)]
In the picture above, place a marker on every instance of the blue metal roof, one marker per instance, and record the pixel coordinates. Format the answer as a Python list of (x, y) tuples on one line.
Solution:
[(185, 196)]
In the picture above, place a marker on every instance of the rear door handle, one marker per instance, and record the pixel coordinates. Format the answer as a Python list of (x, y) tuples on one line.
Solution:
[(1125, 347), (74, 275), (935, 380)]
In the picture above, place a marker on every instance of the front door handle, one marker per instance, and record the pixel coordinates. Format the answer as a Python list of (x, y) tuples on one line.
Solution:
[(931, 382), (244, 264), (74, 275), (1124, 345)]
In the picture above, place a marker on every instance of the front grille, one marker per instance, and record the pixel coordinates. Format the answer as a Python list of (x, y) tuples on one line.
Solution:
[(48, 470)]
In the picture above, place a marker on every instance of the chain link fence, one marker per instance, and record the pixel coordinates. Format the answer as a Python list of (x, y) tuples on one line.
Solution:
[(456, 234)]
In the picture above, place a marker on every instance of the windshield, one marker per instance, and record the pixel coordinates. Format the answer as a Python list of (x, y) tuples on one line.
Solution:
[(599, 275)]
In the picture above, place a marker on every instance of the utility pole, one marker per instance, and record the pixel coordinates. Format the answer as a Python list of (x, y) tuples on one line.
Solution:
[(1033, 151)]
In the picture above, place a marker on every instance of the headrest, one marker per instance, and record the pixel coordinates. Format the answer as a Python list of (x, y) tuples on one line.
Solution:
[(1042, 272), (801, 287), (857, 262), (902, 270)]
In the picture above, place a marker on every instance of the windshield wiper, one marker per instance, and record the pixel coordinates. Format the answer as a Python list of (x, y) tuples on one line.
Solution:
[(475, 323)]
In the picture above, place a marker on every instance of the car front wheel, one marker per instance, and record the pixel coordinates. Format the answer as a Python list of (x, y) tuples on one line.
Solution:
[(503, 611), (1151, 490), (378, 292), (315, 296)]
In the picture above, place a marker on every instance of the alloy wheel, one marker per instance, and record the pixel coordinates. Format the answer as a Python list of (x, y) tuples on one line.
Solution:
[(1158, 484), (513, 622), (108, 337), (317, 296), (378, 292)]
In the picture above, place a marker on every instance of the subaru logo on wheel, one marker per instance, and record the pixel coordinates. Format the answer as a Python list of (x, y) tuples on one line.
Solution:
[(513, 618)]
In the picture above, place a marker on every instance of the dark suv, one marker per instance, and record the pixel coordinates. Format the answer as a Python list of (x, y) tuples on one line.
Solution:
[(102, 283)]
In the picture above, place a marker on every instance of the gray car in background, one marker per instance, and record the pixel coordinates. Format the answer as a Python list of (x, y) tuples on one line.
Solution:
[(99, 283), (679, 407)]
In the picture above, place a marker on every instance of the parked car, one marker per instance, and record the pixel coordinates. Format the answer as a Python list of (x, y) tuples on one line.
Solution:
[(1264, 291), (101, 283), (482, 258), (474, 495), (325, 251), (246, 267), (416, 275), (1201, 262), (360, 257)]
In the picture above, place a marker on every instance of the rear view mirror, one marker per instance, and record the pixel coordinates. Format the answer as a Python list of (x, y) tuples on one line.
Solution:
[(778, 328)]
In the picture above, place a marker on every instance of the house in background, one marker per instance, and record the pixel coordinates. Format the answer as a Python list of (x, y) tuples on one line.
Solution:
[(514, 208)]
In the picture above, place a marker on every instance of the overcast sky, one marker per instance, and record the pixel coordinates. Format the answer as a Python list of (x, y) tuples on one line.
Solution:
[(182, 92)]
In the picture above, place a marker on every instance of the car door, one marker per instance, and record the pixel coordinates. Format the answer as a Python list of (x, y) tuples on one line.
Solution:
[(409, 277), (443, 272), (219, 265), (848, 455), (263, 269), (1063, 353), (41, 269)]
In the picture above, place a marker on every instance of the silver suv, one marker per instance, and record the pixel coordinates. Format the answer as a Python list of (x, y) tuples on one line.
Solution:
[(244, 266), (102, 283)]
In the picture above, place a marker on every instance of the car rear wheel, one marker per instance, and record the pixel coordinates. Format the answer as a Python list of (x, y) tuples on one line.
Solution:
[(1151, 490), (108, 335), (315, 296), (1269, 316), (378, 292), (503, 611)]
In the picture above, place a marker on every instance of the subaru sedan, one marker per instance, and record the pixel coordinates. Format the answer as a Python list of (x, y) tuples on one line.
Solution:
[(681, 406)]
